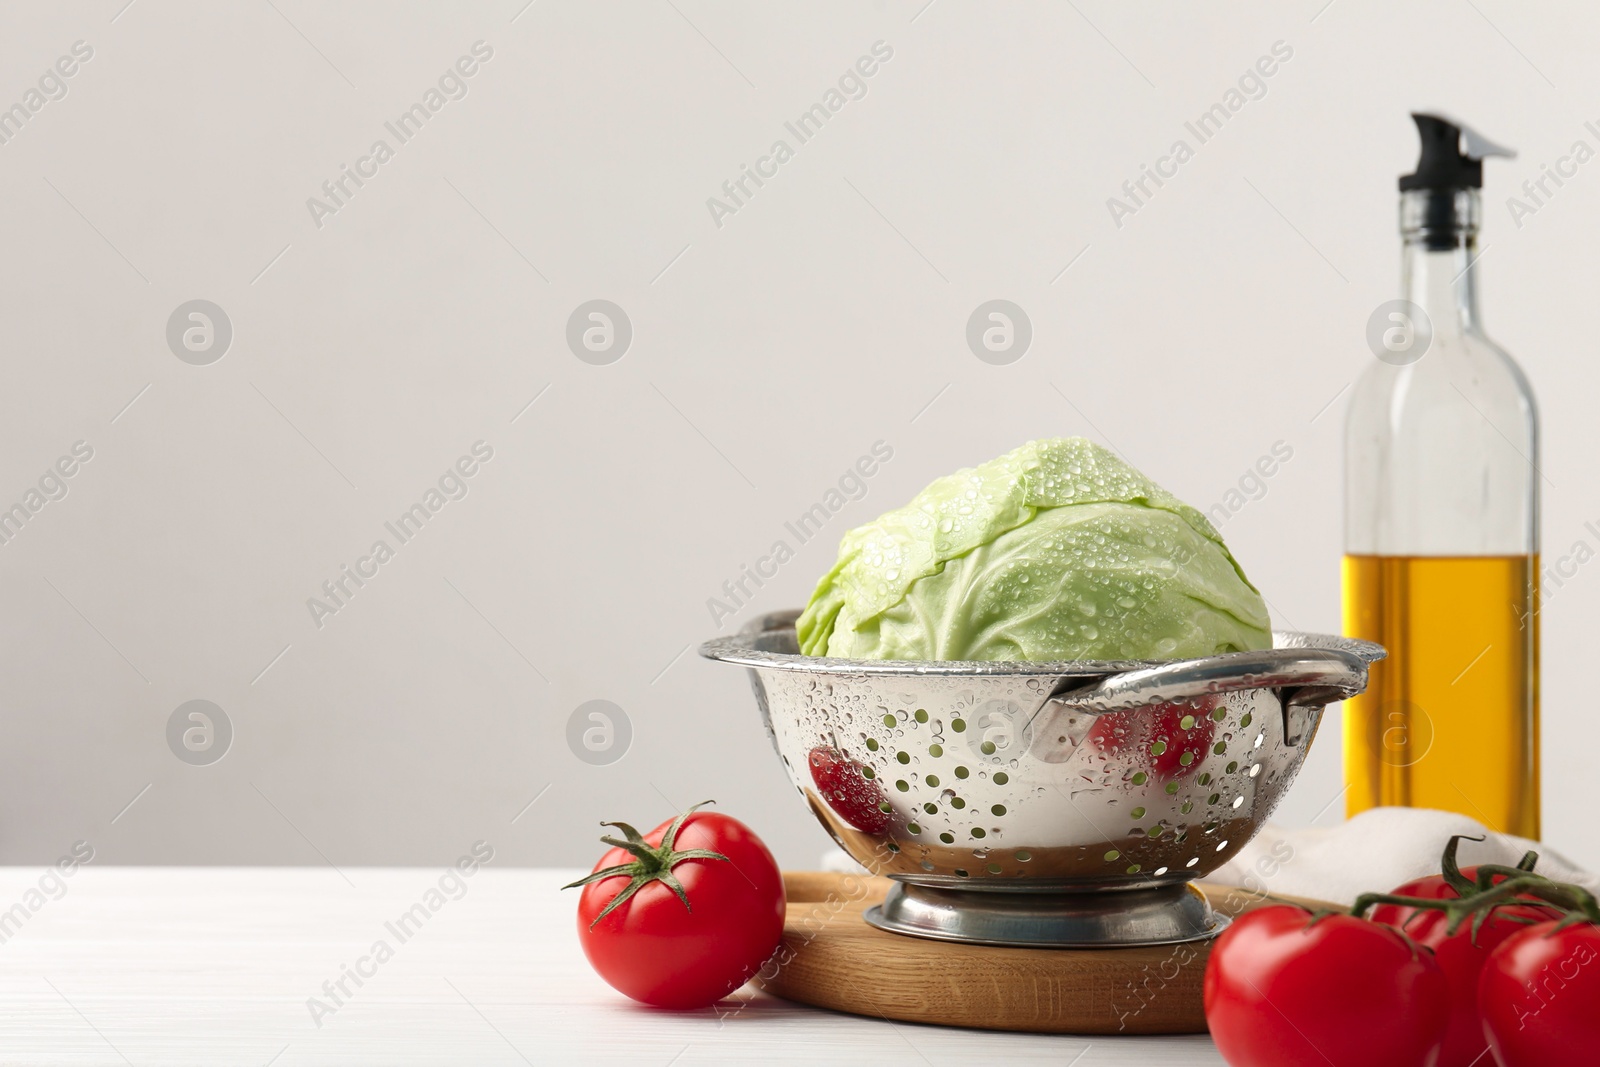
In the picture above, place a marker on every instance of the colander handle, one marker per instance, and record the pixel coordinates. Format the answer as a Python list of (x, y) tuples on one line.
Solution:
[(1304, 677)]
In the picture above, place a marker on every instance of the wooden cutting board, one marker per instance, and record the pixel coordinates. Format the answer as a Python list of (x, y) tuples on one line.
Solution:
[(831, 958)]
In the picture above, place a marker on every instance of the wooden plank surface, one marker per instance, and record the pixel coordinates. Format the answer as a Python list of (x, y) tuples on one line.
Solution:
[(833, 959), (181, 967)]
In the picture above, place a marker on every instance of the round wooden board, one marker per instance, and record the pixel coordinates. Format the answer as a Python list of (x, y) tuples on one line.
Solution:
[(831, 958)]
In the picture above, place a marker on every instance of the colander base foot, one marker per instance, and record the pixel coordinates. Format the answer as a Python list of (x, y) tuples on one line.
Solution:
[(1163, 915)]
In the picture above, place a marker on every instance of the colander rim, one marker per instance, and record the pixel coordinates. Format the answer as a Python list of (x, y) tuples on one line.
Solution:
[(745, 649)]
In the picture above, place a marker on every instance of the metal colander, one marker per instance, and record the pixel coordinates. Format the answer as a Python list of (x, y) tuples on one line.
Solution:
[(1045, 803)]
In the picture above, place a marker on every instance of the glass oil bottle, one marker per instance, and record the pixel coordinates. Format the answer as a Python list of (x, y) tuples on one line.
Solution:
[(1442, 525)]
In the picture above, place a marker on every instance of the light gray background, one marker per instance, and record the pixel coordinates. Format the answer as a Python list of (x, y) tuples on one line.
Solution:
[(830, 312)]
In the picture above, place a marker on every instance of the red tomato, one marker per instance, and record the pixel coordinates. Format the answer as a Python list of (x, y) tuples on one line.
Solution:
[(854, 798), (1169, 740), (1283, 991), (684, 915), (1540, 997), (1461, 956)]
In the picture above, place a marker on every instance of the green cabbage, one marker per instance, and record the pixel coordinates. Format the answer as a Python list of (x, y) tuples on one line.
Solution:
[(1055, 551)]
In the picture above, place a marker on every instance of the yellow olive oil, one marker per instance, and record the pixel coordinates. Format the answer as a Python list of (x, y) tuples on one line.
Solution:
[(1451, 718)]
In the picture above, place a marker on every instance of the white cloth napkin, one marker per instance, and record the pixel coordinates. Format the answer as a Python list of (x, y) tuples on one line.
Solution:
[(1376, 851)]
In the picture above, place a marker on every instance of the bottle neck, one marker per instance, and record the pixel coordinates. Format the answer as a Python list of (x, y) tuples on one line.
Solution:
[(1437, 271)]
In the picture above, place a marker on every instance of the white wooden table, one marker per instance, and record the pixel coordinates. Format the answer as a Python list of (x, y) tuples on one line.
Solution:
[(215, 966)]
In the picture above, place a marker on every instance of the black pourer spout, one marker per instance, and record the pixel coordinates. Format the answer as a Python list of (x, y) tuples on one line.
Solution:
[(1451, 160)]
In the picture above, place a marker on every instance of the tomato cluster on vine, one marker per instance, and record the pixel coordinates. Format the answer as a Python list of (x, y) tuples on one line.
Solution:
[(1448, 971)]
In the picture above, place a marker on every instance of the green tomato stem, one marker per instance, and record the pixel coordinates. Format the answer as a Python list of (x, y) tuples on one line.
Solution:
[(1576, 903), (651, 863)]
